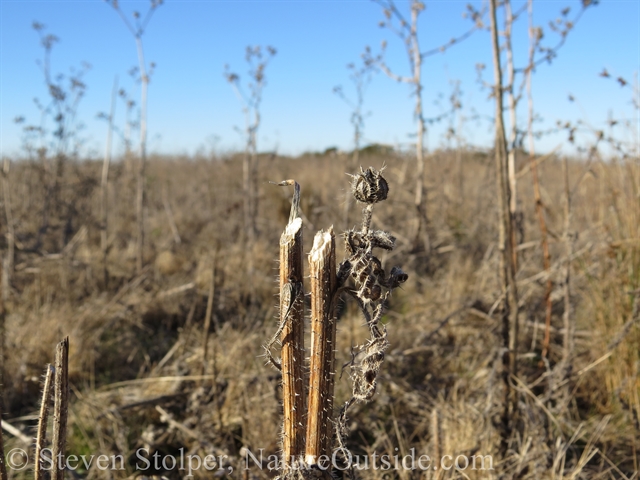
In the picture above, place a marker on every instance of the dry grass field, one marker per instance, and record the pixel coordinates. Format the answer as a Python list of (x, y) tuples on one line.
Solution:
[(141, 377)]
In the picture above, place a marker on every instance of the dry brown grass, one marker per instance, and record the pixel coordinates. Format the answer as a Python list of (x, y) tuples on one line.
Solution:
[(137, 345)]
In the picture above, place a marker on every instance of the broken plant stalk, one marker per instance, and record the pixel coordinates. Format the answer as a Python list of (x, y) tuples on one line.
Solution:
[(322, 269), (60, 408), (41, 437), (292, 334)]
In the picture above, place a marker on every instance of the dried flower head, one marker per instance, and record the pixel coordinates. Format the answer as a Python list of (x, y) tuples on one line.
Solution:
[(396, 278), (369, 186), (381, 239), (354, 241)]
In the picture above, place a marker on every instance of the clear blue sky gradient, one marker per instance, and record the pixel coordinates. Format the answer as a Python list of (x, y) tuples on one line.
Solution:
[(191, 41)]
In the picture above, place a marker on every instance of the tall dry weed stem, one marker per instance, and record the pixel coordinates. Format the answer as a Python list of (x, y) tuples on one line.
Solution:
[(137, 30), (104, 186), (257, 58), (408, 32), (508, 285)]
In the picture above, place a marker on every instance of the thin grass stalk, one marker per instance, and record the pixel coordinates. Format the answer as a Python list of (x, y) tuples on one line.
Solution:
[(459, 166), (322, 269), (292, 336), (569, 327), (140, 193), (188, 321), (254, 171), (104, 185), (249, 230), (513, 129), (3, 316), (167, 209), (421, 194), (207, 318), (60, 408), (248, 190), (435, 438), (355, 160), (546, 256), (7, 268), (507, 271), (43, 419), (6, 262), (214, 363)]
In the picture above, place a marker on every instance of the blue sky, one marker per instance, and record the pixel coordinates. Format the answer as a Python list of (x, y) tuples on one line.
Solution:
[(190, 102)]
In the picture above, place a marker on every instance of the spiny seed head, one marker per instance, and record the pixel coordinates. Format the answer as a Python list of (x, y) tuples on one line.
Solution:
[(383, 240), (397, 277), (343, 272), (376, 266), (354, 241), (376, 292), (369, 186)]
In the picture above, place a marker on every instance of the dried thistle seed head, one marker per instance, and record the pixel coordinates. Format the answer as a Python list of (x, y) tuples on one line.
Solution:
[(397, 277), (343, 272), (354, 241), (376, 267), (383, 240), (369, 186), (376, 292)]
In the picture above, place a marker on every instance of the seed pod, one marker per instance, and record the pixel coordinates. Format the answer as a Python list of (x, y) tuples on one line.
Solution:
[(354, 242), (369, 186), (376, 292), (397, 277), (383, 240), (343, 272)]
